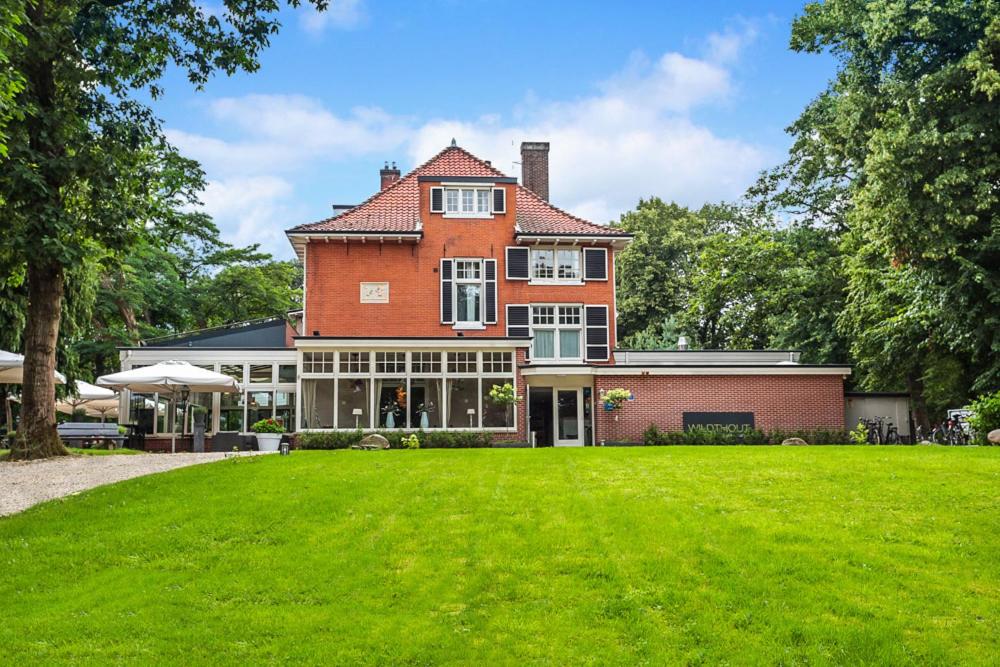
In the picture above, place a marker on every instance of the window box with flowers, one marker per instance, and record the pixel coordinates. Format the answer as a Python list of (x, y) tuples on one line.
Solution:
[(269, 432)]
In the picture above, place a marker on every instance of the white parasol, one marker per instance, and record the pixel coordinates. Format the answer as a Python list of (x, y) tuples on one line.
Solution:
[(170, 377)]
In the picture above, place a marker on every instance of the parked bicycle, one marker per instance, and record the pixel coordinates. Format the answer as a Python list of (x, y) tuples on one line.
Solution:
[(951, 431), (880, 431)]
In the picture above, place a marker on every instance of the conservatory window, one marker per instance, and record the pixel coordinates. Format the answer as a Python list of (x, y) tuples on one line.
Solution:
[(353, 403), (317, 403)]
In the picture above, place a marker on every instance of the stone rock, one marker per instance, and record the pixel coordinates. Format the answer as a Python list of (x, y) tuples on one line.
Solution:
[(374, 441), (794, 441), (994, 436)]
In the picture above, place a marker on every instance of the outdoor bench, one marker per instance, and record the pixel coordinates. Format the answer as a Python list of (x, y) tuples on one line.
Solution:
[(86, 433)]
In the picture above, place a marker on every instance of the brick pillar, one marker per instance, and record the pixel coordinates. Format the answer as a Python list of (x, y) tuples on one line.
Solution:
[(535, 167)]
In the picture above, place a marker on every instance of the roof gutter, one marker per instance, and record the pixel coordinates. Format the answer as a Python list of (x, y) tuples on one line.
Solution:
[(301, 238)]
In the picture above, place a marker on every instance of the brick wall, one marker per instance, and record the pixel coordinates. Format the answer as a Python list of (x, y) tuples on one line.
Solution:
[(336, 269), (779, 402)]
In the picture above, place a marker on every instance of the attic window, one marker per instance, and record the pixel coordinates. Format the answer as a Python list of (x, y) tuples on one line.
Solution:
[(467, 202)]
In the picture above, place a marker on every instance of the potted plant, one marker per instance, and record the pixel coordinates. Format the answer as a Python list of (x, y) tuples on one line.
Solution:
[(504, 396), (268, 434), (424, 410), (390, 410)]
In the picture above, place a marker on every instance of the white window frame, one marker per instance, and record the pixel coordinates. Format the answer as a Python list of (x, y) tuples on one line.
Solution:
[(555, 279), (479, 323), (555, 327), (459, 191), (479, 374)]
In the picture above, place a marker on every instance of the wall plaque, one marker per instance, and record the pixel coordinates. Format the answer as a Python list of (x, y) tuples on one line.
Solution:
[(374, 292)]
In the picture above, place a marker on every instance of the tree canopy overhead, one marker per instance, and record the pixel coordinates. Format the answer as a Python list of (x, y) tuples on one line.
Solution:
[(87, 166)]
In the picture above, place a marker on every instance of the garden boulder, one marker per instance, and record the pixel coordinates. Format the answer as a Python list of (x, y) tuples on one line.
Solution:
[(994, 436), (794, 441), (374, 441)]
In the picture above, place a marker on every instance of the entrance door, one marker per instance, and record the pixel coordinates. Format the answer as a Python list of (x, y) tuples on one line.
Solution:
[(569, 417), (541, 413)]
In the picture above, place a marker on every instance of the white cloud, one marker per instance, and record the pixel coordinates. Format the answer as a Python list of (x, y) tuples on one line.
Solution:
[(636, 136), (250, 207), (725, 47), (342, 14)]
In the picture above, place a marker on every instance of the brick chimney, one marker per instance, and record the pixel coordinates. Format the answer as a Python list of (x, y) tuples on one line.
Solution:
[(535, 167), (389, 175)]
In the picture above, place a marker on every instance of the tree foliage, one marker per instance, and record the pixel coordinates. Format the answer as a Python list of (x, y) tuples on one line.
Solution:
[(87, 168), (906, 139)]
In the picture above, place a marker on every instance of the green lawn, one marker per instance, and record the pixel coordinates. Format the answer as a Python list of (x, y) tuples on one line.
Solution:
[(792, 555)]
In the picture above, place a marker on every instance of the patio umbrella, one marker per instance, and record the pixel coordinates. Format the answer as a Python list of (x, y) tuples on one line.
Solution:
[(170, 377), (95, 401), (12, 369), (12, 372)]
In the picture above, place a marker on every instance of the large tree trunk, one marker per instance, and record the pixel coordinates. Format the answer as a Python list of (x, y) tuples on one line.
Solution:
[(36, 435)]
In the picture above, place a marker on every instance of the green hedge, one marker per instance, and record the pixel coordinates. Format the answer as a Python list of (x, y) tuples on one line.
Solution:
[(428, 439), (704, 436)]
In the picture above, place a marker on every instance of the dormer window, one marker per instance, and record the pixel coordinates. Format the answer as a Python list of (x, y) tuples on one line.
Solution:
[(468, 202)]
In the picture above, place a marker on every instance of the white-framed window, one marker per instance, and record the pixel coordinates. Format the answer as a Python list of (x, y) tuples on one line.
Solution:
[(498, 362), (425, 362), (554, 264), (472, 202), (354, 362), (557, 331), (462, 362), (390, 362), (468, 290), (318, 362)]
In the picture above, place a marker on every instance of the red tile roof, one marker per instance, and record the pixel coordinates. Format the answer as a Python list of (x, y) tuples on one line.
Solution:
[(397, 208)]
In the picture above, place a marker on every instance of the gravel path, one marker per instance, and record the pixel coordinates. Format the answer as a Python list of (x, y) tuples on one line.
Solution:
[(23, 484)]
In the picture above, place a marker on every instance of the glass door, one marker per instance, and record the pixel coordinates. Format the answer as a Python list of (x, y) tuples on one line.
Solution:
[(569, 417)]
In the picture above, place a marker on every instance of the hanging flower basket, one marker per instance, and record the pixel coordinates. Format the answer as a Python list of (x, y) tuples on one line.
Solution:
[(614, 398)]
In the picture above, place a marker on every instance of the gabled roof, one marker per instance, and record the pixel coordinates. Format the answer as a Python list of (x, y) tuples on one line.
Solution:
[(396, 210)]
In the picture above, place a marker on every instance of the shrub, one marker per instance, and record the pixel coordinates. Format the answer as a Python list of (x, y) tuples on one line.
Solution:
[(458, 439), (985, 416), (410, 442), (329, 439), (704, 436), (398, 439)]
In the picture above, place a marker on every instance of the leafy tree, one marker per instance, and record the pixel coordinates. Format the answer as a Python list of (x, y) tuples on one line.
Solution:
[(732, 302), (11, 81), (243, 292), (903, 150), (653, 272), (87, 163)]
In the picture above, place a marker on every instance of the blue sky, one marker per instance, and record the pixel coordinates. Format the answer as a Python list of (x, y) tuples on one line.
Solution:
[(687, 101)]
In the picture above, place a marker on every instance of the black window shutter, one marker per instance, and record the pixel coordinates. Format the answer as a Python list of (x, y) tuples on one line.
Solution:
[(499, 200), (490, 274), (595, 264), (437, 200), (447, 285), (517, 264), (596, 320), (517, 321)]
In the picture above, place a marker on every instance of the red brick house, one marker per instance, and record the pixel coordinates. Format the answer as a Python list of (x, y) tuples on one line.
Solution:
[(454, 279)]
